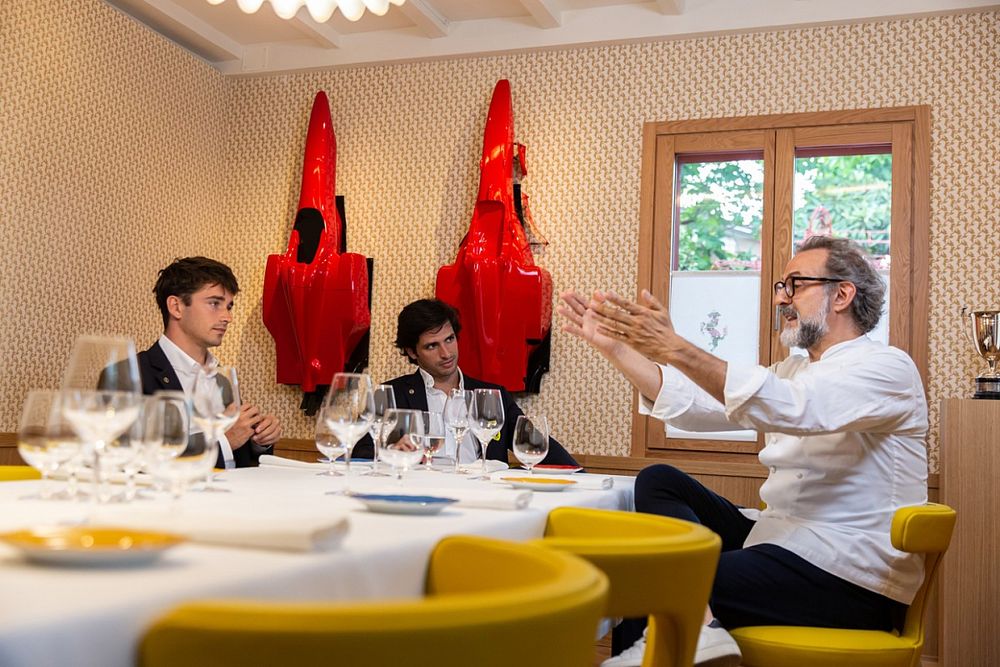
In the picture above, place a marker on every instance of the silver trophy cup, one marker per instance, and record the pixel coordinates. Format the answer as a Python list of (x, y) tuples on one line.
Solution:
[(983, 329)]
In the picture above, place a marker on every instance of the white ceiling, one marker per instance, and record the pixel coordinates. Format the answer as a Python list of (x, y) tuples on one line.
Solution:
[(238, 43)]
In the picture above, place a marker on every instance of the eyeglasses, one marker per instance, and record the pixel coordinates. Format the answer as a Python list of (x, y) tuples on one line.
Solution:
[(789, 285)]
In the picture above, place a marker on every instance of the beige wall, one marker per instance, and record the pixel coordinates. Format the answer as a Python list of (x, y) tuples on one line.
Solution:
[(111, 162), (214, 168)]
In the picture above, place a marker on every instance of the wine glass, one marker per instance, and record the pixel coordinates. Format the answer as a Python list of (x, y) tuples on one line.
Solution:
[(176, 430), (531, 440), (401, 442), (161, 432), (385, 399), (328, 444), (107, 363), (175, 436), (349, 409), (456, 417), (486, 418), (45, 440), (215, 403), (99, 419), (103, 393), (433, 436)]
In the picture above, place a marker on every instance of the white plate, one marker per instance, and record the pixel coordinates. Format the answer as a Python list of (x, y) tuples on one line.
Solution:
[(557, 470), (403, 504), (538, 483), (83, 545)]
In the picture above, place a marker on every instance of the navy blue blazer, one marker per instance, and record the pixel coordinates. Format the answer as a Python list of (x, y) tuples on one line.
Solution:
[(156, 374), (412, 395)]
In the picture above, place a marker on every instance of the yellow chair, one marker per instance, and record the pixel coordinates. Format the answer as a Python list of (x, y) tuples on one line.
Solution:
[(657, 566), (16, 473), (467, 618), (920, 529)]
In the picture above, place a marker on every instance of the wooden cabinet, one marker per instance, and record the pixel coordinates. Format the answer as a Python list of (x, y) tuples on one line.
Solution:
[(970, 572)]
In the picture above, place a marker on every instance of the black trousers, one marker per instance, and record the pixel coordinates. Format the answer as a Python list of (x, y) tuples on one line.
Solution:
[(760, 585)]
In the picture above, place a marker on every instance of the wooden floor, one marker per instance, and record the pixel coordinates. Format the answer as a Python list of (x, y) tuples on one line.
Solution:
[(602, 650)]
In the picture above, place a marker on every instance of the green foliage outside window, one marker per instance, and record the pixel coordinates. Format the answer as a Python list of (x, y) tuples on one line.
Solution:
[(720, 206)]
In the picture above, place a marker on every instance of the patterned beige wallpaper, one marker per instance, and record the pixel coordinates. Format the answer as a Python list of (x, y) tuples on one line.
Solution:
[(111, 159), (226, 181)]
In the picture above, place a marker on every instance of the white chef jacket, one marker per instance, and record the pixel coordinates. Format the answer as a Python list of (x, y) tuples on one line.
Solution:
[(844, 445)]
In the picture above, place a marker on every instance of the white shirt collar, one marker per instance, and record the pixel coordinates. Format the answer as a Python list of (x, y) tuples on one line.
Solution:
[(843, 345), (429, 379), (185, 367)]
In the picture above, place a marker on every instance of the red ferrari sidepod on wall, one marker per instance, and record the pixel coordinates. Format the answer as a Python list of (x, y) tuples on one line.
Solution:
[(316, 295), (504, 300)]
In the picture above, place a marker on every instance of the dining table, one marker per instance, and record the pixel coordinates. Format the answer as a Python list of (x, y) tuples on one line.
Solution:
[(94, 614)]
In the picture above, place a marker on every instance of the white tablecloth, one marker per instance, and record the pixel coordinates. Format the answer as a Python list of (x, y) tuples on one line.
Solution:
[(51, 615)]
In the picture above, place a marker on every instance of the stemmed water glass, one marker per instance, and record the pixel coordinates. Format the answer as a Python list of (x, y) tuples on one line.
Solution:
[(401, 444), (385, 399), (160, 433), (215, 403), (456, 418), (102, 395), (531, 440), (433, 436), (349, 409), (167, 434), (186, 455), (328, 445), (486, 418), (45, 439)]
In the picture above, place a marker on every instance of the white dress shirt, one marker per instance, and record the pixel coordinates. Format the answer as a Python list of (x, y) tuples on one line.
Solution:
[(436, 398), (186, 370), (844, 445)]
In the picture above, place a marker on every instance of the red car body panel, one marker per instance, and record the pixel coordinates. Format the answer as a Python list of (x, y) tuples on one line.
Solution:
[(504, 299), (316, 297)]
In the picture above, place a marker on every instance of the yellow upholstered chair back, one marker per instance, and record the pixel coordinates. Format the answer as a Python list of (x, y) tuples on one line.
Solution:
[(922, 529), (658, 567), (15, 473), (548, 616)]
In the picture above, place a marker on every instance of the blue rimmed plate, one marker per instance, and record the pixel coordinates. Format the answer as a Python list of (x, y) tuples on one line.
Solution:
[(403, 504)]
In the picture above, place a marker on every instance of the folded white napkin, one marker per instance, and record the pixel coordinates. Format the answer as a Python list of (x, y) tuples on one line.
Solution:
[(268, 460), (591, 482), (477, 467), (492, 499), (282, 533)]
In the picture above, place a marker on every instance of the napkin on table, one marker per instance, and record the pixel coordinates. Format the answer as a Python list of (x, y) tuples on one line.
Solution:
[(282, 533), (269, 460)]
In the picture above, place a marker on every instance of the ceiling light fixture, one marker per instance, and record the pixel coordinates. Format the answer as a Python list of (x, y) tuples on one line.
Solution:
[(321, 10)]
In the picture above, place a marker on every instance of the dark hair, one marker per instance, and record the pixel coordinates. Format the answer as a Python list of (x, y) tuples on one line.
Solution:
[(186, 276), (847, 260), (420, 317)]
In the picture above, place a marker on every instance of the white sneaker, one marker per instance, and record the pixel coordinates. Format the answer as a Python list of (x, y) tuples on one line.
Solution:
[(630, 657), (716, 648)]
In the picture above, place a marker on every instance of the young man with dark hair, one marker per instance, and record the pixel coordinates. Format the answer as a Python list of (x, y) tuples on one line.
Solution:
[(427, 335), (195, 296)]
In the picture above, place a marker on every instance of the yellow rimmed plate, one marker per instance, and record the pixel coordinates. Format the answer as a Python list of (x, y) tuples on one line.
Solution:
[(86, 545), (538, 483)]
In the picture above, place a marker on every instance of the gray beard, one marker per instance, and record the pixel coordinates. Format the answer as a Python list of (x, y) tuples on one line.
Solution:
[(809, 331)]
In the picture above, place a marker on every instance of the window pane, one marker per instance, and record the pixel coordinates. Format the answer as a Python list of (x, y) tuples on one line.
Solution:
[(715, 272), (847, 192)]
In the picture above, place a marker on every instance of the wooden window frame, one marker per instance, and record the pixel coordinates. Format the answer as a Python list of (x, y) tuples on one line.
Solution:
[(907, 129)]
